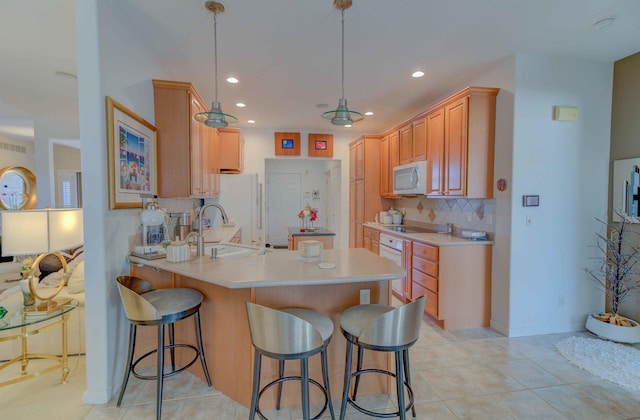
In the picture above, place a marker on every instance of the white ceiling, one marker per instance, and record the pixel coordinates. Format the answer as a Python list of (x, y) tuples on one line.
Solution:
[(286, 53)]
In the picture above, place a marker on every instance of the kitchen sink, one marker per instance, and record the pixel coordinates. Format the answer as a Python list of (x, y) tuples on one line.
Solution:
[(233, 250)]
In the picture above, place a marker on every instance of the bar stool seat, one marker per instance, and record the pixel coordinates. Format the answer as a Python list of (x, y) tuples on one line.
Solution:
[(289, 334), (387, 329), (144, 305)]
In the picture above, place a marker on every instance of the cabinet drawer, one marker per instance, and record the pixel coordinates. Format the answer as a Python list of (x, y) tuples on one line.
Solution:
[(372, 234), (431, 305), (425, 280), (425, 251), (426, 266)]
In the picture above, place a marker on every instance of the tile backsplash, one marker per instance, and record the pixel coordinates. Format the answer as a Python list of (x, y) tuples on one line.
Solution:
[(474, 214)]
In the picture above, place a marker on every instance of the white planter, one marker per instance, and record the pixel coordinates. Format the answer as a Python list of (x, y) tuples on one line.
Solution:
[(614, 332)]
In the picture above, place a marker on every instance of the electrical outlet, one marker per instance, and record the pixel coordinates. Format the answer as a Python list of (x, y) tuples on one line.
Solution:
[(489, 219), (469, 216), (365, 296)]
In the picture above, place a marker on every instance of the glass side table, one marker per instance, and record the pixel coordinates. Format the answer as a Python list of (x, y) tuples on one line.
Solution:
[(29, 325)]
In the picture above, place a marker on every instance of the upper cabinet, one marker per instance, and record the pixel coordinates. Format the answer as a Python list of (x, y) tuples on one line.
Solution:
[(460, 144), (188, 151), (406, 143), (419, 137), (231, 150), (389, 157)]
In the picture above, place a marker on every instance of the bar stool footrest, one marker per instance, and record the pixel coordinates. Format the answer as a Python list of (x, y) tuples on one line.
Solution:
[(352, 402), (167, 374), (293, 378)]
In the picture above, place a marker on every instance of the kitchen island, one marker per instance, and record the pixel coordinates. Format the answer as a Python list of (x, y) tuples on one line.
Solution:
[(277, 279), (317, 234)]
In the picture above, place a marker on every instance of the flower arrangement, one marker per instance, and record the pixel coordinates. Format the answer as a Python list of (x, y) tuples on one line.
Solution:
[(308, 212), (13, 199)]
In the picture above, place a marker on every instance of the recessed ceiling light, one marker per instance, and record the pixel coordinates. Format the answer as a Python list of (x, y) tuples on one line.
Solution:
[(369, 113), (321, 106), (251, 122), (417, 74), (603, 24), (348, 126), (232, 80), (240, 105)]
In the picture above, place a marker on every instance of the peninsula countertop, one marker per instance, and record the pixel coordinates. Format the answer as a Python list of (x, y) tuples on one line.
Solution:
[(282, 268)]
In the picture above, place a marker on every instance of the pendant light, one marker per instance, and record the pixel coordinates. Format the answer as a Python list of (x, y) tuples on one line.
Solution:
[(342, 115), (215, 117)]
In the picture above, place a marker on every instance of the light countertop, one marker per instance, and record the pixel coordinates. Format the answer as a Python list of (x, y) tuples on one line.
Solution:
[(438, 239), (283, 268), (319, 231)]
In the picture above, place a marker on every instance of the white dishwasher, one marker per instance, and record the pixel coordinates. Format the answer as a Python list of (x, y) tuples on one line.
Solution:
[(391, 249)]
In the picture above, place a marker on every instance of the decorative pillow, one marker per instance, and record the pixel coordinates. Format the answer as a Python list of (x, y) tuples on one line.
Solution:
[(76, 280), (54, 279), (52, 264)]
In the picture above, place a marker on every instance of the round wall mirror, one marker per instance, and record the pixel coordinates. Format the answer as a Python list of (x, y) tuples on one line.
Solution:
[(17, 188)]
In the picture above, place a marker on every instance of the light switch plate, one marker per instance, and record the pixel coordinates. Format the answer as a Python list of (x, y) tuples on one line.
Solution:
[(365, 296)]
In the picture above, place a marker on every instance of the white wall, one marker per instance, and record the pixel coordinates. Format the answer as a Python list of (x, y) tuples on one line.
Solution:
[(111, 62), (567, 164), (13, 154)]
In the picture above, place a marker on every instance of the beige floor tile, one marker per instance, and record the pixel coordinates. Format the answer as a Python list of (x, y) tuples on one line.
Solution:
[(437, 410), (517, 404), (560, 367), (528, 373), (574, 404), (618, 399), (492, 350)]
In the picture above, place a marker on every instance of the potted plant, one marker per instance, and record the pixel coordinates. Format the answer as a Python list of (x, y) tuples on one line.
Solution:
[(618, 274)]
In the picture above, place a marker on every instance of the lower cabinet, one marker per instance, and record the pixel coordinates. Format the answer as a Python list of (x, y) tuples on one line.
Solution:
[(372, 240), (456, 281), (327, 241)]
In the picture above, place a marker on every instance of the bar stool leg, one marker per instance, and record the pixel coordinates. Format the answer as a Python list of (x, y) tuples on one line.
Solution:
[(400, 385), (358, 368), (347, 380), (172, 349), (203, 361), (325, 378), (408, 376), (304, 368), (160, 371), (256, 385), (280, 375), (127, 372)]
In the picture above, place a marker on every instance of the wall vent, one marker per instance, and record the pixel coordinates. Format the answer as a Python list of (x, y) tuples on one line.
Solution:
[(13, 147)]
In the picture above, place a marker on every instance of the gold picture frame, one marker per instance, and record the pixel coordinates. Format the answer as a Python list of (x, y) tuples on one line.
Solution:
[(132, 157)]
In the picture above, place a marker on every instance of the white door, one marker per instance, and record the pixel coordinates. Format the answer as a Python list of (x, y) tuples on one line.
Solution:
[(284, 198)]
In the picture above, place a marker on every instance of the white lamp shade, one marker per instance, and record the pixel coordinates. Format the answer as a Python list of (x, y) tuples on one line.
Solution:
[(40, 231)]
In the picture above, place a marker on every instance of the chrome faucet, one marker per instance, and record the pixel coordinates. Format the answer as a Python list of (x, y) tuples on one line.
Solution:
[(225, 220)]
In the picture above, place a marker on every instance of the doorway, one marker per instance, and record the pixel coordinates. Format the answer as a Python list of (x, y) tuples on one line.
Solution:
[(284, 195)]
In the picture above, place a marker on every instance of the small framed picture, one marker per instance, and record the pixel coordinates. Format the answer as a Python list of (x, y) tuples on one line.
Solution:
[(321, 145), (287, 143)]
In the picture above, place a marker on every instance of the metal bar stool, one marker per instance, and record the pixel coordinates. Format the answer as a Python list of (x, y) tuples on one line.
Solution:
[(289, 334), (387, 329), (144, 305)]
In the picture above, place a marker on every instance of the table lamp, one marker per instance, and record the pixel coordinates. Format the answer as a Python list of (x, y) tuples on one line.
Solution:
[(43, 232)]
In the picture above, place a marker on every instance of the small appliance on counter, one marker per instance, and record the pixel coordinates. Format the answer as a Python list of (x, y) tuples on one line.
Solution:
[(154, 231), (183, 224)]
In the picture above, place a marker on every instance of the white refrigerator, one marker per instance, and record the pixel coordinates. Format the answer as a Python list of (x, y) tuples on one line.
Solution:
[(241, 198)]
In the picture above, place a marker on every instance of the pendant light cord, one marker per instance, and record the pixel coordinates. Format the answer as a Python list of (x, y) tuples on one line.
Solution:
[(215, 52), (342, 10)]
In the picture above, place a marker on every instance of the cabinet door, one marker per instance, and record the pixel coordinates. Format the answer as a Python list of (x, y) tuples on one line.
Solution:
[(366, 243), (231, 153), (359, 158), (359, 213), (406, 252), (197, 160), (384, 167), (456, 148), (375, 247), (419, 135), (394, 157), (406, 144), (352, 215), (435, 151)]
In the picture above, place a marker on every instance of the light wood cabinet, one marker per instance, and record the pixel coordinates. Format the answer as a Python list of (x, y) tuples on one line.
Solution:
[(372, 240), (407, 247), (187, 151), (293, 241), (365, 200), (458, 295), (405, 144), (419, 139), (231, 150), (460, 144), (389, 158)]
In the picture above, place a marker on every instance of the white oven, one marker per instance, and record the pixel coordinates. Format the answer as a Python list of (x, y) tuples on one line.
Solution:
[(391, 249)]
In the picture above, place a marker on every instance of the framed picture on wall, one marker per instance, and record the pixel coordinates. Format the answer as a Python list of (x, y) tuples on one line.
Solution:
[(626, 188), (320, 145), (131, 153), (287, 144)]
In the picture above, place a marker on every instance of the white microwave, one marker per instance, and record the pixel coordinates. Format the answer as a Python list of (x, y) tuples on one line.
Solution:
[(411, 179)]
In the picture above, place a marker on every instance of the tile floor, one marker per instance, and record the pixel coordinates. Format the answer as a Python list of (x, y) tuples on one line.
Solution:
[(465, 374)]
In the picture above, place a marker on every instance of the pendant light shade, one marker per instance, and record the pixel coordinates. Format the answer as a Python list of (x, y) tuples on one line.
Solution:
[(215, 117), (342, 115)]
